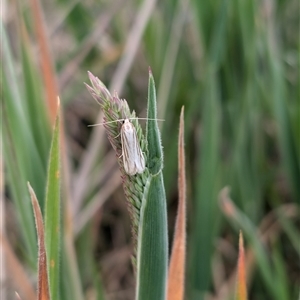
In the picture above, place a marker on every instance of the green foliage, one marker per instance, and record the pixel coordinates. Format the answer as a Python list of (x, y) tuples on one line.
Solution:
[(145, 192), (155, 156), (24, 151), (204, 226), (53, 212), (234, 66), (152, 255)]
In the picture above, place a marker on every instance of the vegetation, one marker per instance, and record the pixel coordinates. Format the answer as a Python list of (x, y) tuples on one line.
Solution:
[(233, 65)]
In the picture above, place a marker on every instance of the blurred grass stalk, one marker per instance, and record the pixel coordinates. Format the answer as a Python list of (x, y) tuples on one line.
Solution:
[(273, 275), (20, 147), (244, 84), (26, 135)]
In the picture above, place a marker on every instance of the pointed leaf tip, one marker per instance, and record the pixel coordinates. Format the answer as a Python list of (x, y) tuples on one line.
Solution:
[(177, 261), (241, 242), (155, 158), (150, 71), (241, 292), (226, 203), (43, 282), (182, 116)]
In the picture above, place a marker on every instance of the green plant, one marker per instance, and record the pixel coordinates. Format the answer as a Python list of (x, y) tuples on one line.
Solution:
[(233, 65)]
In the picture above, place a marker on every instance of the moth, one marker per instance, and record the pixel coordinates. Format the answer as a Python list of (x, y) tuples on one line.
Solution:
[(133, 157)]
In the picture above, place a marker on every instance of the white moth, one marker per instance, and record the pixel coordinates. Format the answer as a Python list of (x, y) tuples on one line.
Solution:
[(133, 158)]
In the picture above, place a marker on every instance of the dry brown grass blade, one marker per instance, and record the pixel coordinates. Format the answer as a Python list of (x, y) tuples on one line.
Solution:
[(241, 292), (43, 284), (16, 272), (45, 59), (117, 83), (177, 262), (269, 229), (132, 44), (94, 37)]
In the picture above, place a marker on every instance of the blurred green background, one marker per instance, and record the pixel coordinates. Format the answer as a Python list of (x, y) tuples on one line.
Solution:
[(234, 65)]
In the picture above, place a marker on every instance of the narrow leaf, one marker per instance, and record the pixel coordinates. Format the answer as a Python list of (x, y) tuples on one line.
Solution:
[(241, 291), (36, 109), (16, 138), (155, 158), (53, 211), (177, 262), (152, 255), (46, 62), (206, 186), (43, 284)]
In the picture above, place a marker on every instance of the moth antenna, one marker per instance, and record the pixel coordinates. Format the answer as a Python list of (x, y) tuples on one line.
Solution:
[(103, 123), (146, 119)]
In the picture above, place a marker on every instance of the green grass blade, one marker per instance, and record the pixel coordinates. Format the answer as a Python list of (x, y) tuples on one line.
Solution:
[(155, 157), (18, 148), (53, 211), (152, 256), (70, 284), (152, 253), (286, 140), (218, 42), (87, 264), (17, 105), (291, 230), (284, 289), (36, 108), (206, 193)]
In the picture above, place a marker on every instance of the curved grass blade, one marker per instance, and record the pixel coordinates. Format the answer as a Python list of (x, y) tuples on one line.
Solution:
[(43, 283), (177, 261)]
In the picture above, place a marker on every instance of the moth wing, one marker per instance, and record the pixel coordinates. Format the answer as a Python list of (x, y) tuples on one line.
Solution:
[(140, 162), (128, 139), (138, 154)]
